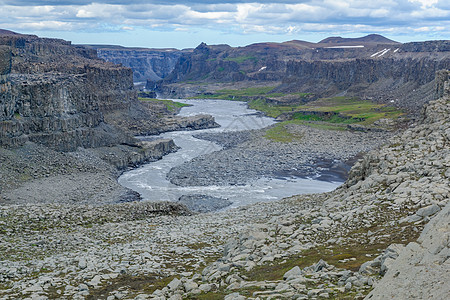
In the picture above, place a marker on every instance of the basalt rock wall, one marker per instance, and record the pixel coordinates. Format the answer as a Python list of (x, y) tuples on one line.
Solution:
[(394, 79), (59, 95), (147, 64)]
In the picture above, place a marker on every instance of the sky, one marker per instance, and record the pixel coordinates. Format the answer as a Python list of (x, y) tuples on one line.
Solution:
[(185, 24)]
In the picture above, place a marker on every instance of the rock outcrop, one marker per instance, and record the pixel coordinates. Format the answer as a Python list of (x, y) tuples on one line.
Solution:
[(421, 269), (58, 95)]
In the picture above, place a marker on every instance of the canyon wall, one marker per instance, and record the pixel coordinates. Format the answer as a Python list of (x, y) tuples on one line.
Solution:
[(147, 64), (377, 69), (64, 97), (406, 82)]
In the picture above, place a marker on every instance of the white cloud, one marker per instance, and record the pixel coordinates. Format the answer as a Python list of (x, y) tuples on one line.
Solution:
[(425, 3), (232, 16), (82, 13)]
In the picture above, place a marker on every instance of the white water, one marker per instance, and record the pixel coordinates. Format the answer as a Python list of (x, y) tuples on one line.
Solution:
[(150, 179)]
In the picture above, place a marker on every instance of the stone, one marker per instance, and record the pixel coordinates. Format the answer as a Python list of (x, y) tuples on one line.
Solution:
[(321, 264), (175, 284), (190, 285), (82, 264), (428, 211), (234, 296), (348, 286), (95, 281), (205, 287), (283, 287), (292, 273), (83, 287)]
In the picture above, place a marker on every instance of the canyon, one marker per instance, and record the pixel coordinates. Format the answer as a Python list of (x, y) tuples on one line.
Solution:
[(371, 67), (68, 127), (62, 98)]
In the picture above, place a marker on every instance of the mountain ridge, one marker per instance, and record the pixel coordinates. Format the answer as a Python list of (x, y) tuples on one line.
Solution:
[(371, 38)]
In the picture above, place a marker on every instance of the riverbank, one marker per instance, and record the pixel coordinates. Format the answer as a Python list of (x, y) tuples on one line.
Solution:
[(34, 174), (336, 244), (250, 155)]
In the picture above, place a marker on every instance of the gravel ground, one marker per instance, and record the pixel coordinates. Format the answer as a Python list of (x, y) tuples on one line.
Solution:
[(36, 174), (248, 156), (203, 203)]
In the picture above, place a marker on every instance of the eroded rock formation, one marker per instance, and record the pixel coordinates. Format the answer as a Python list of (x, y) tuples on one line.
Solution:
[(147, 64)]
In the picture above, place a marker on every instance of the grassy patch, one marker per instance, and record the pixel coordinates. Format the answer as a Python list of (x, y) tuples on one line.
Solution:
[(197, 246), (357, 110), (279, 133), (269, 109), (216, 295), (134, 284), (241, 59), (333, 256), (172, 106)]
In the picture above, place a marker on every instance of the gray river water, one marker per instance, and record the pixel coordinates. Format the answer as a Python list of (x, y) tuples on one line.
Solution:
[(150, 180)]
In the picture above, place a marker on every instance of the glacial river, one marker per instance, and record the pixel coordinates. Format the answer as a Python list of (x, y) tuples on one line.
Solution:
[(150, 179)]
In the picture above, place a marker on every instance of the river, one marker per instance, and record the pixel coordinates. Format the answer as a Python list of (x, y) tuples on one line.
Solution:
[(150, 180)]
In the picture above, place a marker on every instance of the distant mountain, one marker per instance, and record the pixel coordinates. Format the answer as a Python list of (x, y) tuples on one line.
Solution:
[(371, 38), (7, 32)]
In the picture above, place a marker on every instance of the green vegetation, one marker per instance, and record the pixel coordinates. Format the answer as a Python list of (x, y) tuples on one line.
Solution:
[(136, 284), (241, 59), (353, 110), (325, 113), (171, 106), (279, 133), (237, 95), (338, 256), (271, 110)]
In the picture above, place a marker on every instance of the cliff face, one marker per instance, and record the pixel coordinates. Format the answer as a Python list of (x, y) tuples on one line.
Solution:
[(147, 64), (393, 79), (60, 96), (55, 94), (373, 68)]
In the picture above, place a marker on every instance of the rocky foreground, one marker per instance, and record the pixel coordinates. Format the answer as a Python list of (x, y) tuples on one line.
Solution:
[(384, 234)]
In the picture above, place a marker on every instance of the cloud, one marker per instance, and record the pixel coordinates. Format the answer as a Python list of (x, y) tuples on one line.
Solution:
[(238, 17)]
